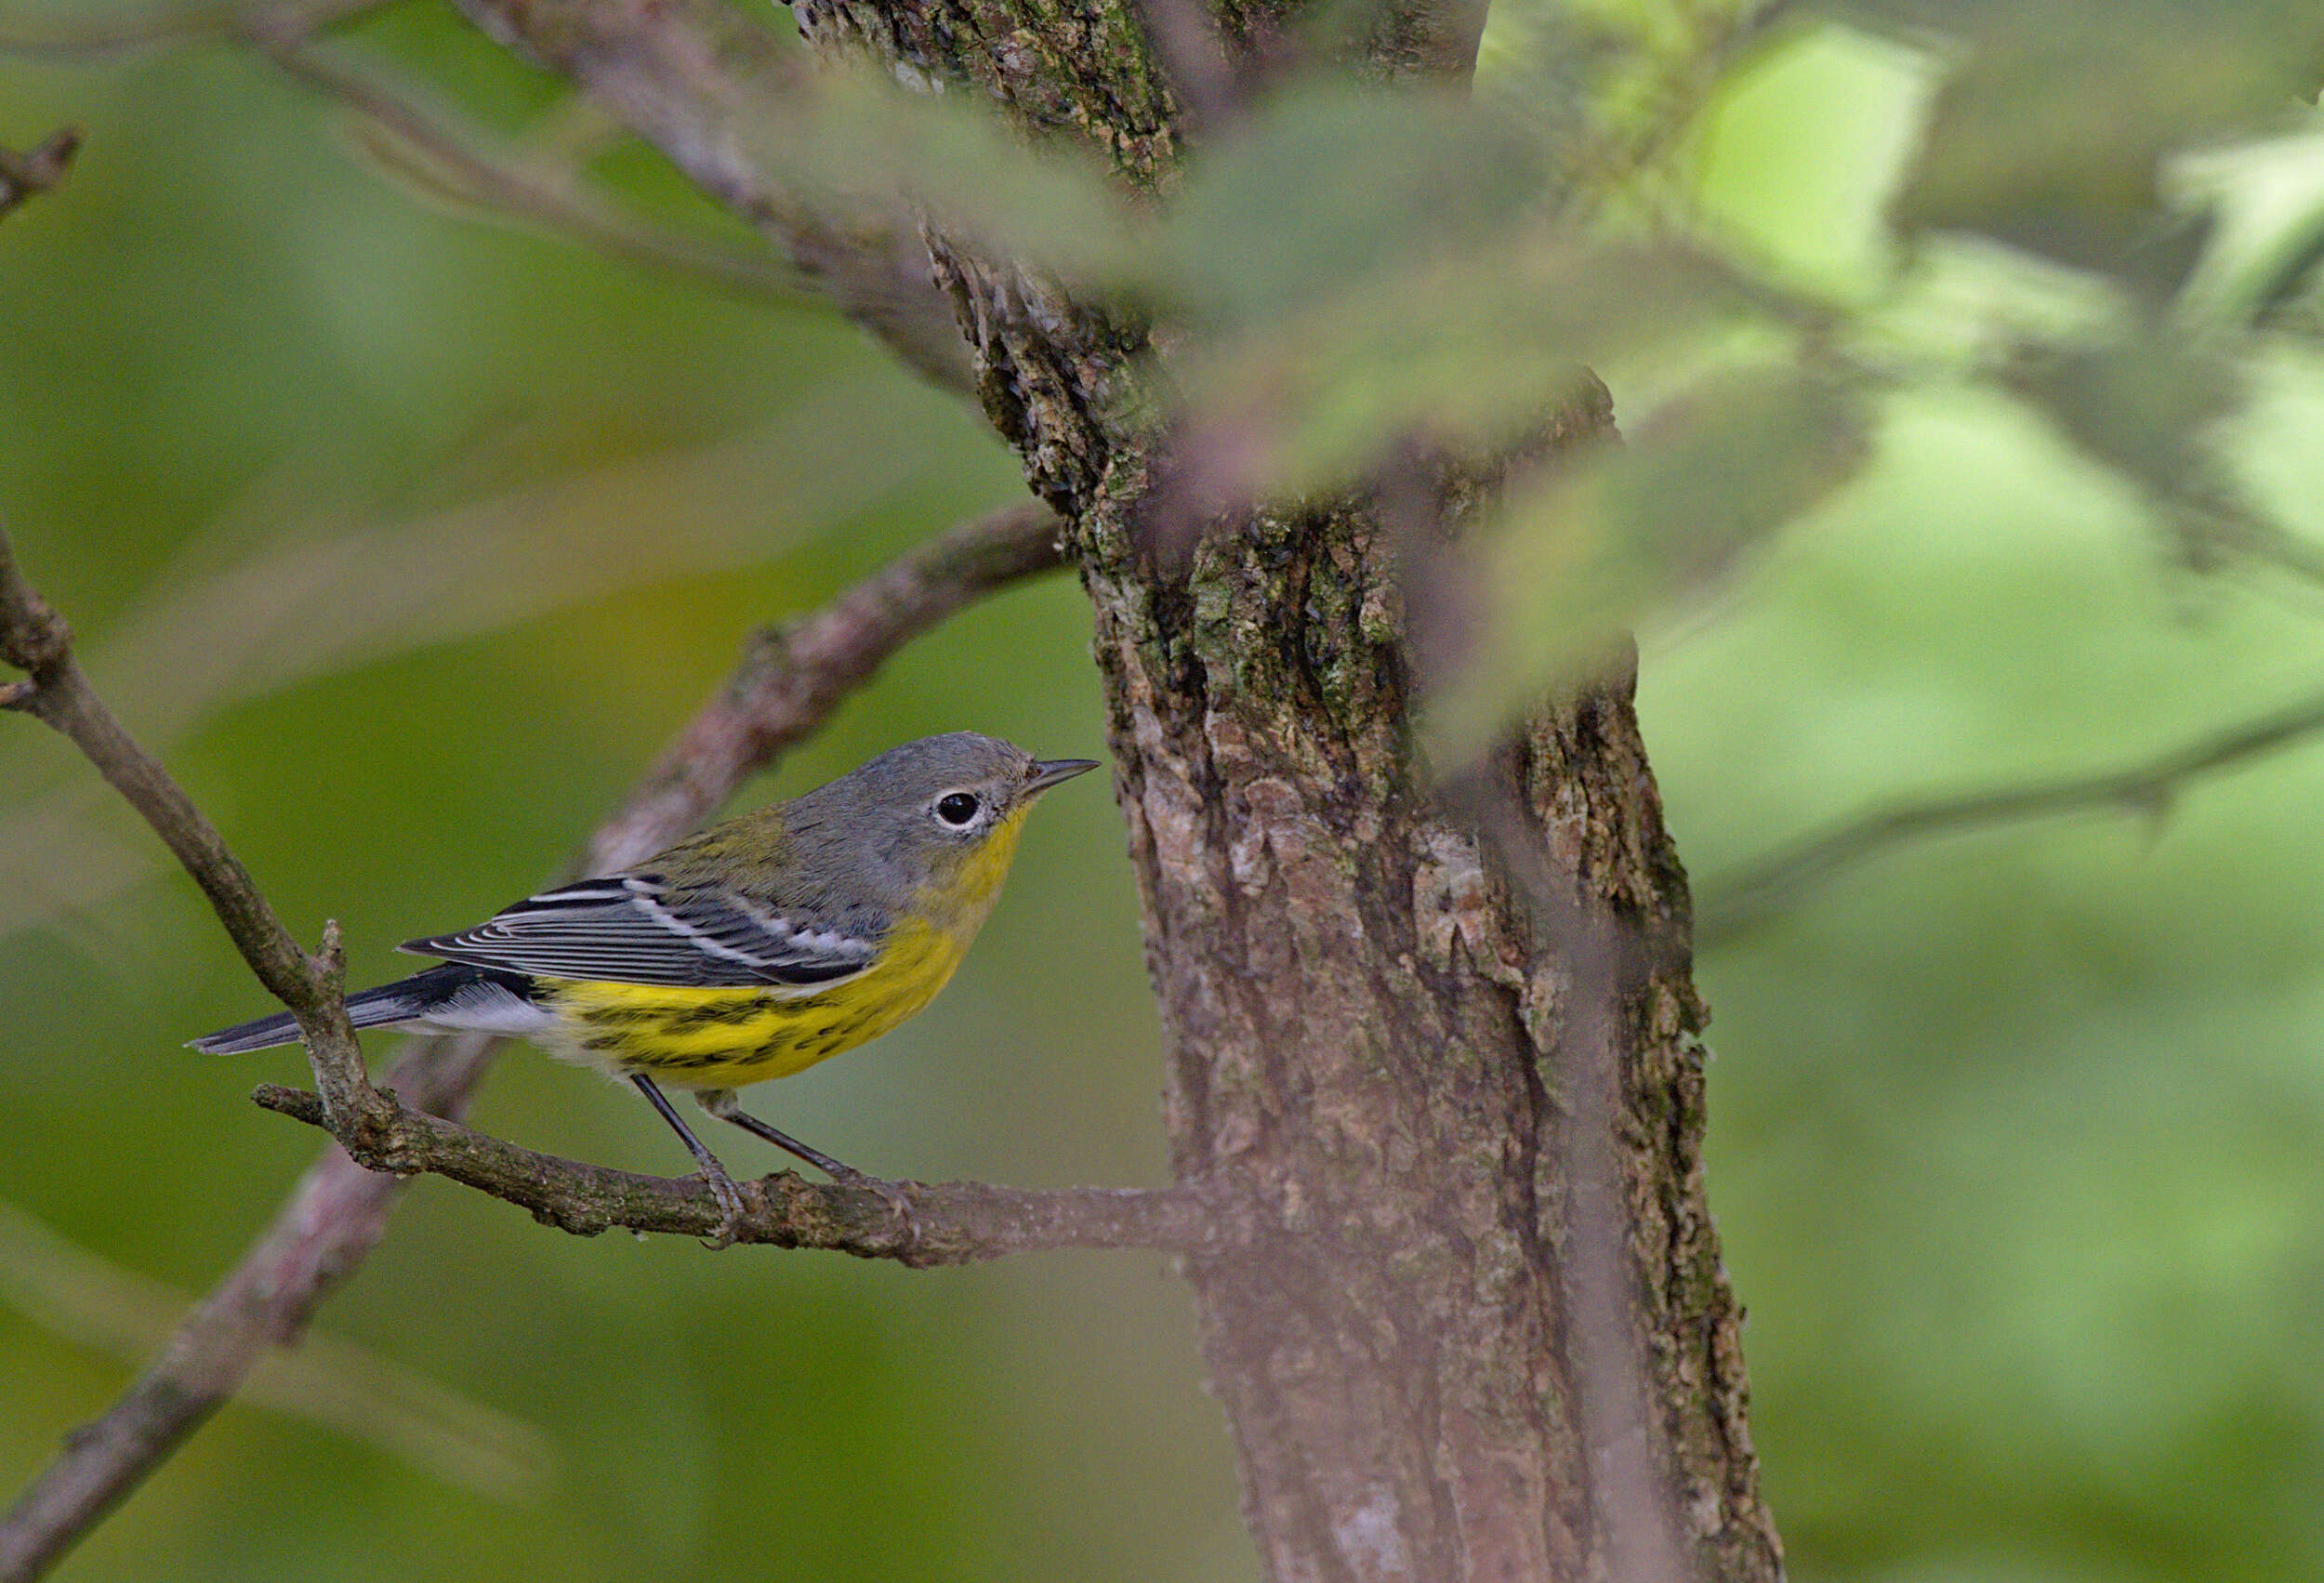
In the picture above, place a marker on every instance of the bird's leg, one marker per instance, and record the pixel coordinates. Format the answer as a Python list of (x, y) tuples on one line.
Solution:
[(723, 1186), (722, 1103)]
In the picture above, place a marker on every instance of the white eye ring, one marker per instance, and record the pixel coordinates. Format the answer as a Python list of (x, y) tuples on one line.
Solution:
[(958, 809)]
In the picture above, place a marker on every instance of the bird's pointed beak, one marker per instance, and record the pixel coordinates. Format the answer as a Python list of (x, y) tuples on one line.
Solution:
[(1048, 773)]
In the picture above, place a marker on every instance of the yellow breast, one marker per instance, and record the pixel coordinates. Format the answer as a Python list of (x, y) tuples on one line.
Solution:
[(731, 1037)]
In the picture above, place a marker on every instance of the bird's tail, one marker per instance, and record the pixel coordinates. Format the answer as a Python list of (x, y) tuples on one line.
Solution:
[(448, 996)]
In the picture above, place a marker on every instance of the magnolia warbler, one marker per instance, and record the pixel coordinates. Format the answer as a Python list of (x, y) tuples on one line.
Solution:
[(750, 951)]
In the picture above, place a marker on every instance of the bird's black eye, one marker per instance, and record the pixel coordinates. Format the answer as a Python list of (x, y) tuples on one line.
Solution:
[(955, 809)]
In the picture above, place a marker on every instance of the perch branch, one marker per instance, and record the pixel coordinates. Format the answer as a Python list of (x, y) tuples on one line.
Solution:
[(942, 1224), (1766, 887), (338, 1211)]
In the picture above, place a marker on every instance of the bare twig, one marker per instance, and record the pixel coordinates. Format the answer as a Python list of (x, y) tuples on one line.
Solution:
[(690, 78), (331, 1221), (37, 641), (338, 1210), (1765, 887), (942, 1224), (684, 75), (429, 148), (87, 1299), (36, 170)]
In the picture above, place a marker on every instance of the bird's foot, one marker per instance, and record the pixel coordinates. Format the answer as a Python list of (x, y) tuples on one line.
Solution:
[(731, 1207)]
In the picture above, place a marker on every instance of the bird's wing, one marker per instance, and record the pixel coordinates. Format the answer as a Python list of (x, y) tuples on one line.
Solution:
[(636, 929)]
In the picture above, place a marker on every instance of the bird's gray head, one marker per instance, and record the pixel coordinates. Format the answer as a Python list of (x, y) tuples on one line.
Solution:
[(925, 810), (957, 786)]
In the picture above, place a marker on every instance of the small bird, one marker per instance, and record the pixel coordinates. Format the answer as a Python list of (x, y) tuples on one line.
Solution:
[(750, 951)]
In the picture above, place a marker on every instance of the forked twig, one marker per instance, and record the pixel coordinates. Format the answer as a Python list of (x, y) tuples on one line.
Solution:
[(1764, 888)]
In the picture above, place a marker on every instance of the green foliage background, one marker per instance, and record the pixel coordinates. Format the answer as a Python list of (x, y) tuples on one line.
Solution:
[(2017, 1137)]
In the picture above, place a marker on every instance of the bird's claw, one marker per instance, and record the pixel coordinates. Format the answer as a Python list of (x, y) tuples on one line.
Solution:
[(730, 1209)]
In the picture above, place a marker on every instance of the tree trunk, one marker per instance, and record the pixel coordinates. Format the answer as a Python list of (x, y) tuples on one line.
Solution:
[(1367, 1042), (1370, 1041)]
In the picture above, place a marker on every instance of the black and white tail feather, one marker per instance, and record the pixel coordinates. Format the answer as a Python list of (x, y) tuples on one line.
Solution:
[(453, 998)]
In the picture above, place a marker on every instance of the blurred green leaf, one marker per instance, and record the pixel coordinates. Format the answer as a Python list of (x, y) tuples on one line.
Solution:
[(1467, 353), (2049, 131), (2146, 405), (1595, 545), (1323, 190), (2153, 408), (1335, 186), (860, 153), (1969, 305), (1614, 87), (1802, 148), (2265, 200)]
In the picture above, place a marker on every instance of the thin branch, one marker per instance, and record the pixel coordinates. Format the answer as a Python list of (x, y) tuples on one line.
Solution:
[(688, 76), (940, 1223), (37, 641), (36, 170), (431, 150), (333, 1219), (1768, 886), (338, 1210), (680, 74), (87, 1299)]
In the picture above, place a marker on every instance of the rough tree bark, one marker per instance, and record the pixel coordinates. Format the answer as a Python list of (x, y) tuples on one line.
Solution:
[(1371, 1041)]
